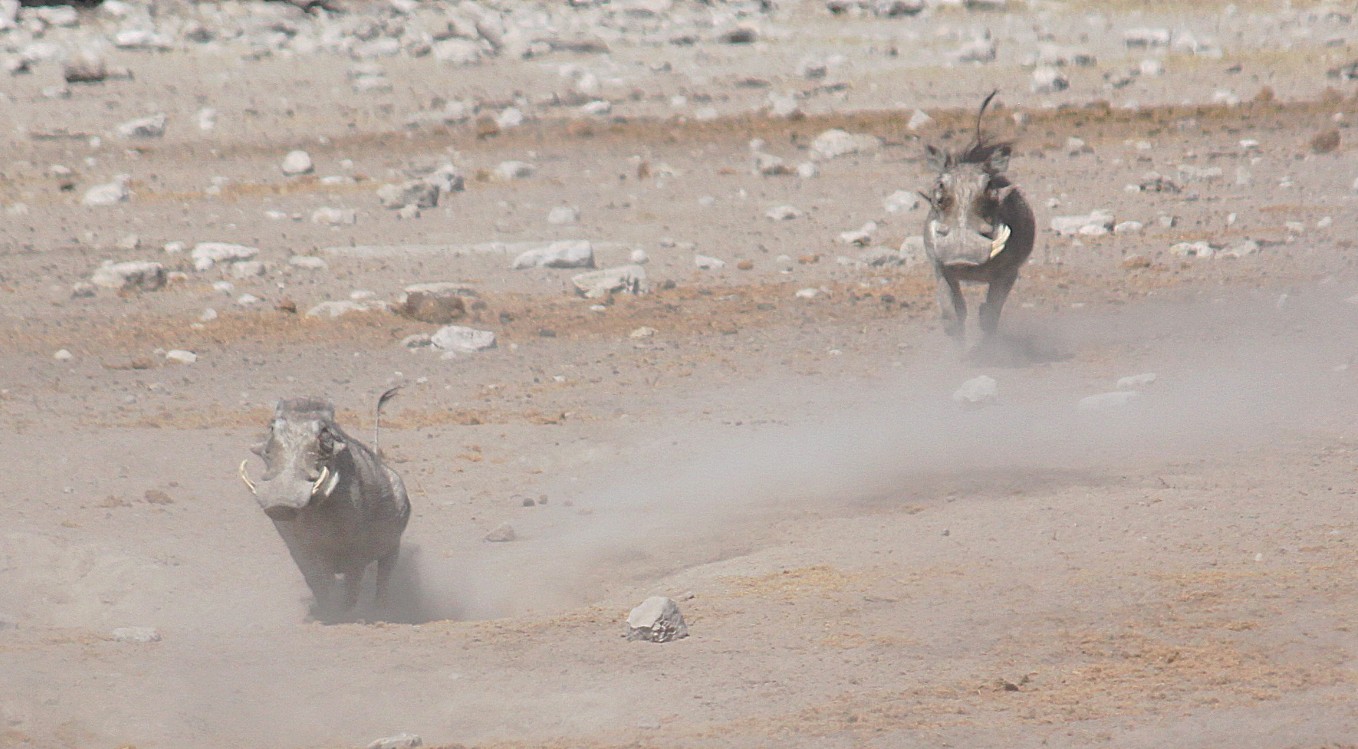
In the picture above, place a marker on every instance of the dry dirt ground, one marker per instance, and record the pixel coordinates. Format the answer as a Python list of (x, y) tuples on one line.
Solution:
[(861, 561)]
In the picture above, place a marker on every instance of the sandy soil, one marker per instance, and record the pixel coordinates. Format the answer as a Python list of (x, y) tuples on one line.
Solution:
[(861, 561)]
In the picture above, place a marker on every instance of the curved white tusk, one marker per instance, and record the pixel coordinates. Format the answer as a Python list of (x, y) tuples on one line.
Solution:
[(1001, 238), (245, 477), (325, 473)]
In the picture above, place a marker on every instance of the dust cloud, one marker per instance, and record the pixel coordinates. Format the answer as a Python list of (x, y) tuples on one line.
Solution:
[(1230, 374)]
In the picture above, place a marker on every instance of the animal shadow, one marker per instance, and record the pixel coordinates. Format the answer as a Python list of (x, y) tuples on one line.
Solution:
[(1018, 350)]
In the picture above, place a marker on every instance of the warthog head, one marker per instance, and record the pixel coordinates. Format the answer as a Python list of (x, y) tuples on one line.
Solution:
[(965, 224), (298, 453)]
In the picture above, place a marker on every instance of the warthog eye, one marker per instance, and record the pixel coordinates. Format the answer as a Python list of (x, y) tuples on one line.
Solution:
[(327, 442)]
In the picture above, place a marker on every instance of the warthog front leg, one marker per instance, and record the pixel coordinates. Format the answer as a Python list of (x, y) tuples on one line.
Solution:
[(996, 293), (952, 305)]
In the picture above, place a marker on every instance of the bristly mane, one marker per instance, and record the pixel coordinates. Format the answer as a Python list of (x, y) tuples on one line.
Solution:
[(982, 150)]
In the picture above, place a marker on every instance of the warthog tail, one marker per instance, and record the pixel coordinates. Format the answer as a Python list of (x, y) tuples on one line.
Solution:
[(377, 415)]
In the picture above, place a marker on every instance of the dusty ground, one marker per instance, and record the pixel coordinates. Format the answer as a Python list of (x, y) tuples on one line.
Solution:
[(861, 561)]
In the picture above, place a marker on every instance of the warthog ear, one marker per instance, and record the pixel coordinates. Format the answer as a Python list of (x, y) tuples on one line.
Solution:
[(937, 158), (1002, 194), (258, 449), (998, 160)]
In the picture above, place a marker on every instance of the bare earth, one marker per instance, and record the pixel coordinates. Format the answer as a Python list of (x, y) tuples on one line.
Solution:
[(861, 561)]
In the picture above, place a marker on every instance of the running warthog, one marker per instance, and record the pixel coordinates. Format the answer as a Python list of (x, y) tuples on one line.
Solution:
[(337, 507), (979, 229)]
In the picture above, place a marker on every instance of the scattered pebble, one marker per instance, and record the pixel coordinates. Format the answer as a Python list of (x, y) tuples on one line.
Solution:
[(180, 356), (398, 741), (140, 635), (977, 391), (502, 533), (297, 163)]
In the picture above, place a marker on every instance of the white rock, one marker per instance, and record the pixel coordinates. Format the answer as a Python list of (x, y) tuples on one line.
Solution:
[(462, 340), (808, 293), (977, 391), (1151, 67), (248, 300), (457, 51), (63, 355), (1242, 248), (207, 254), (1192, 249), (563, 214), (1108, 401), (510, 170), (657, 619), (901, 201), (768, 165), (109, 193), (133, 275), (333, 309), (860, 237), (642, 332), (808, 170), (502, 533), (297, 162), (627, 279), (140, 635), (835, 143), (918, 121), (1136, 382), (784, 105), (639, 257), (208, 315), (180, 356), (246, 269), (1128, 227), (142, 39), (207, 119), (1147, 37), (981, 50), (82, 290), (419, 193), (1047, 80), (334, 216), (509, 118), (399, 741), (144, 127), (705, 262), (570, 253), (784, 213), (308, 262), (1071, 225), (174, 248)]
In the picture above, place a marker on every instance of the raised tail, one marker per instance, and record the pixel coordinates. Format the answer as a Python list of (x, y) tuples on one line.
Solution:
[(377, 415)]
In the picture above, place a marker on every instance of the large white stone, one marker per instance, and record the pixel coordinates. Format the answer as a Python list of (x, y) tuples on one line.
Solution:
[(657, 619), (570, 253), (207, 254), (462, 340)]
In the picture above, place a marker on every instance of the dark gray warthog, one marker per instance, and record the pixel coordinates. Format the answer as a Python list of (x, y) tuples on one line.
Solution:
[(979, 229), (336, 505)]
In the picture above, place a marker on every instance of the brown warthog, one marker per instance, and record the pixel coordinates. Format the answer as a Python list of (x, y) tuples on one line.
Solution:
[(979, 229), (336, 505)]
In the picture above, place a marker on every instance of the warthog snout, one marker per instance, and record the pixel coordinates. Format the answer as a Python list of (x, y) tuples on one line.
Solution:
[(283, 494)]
